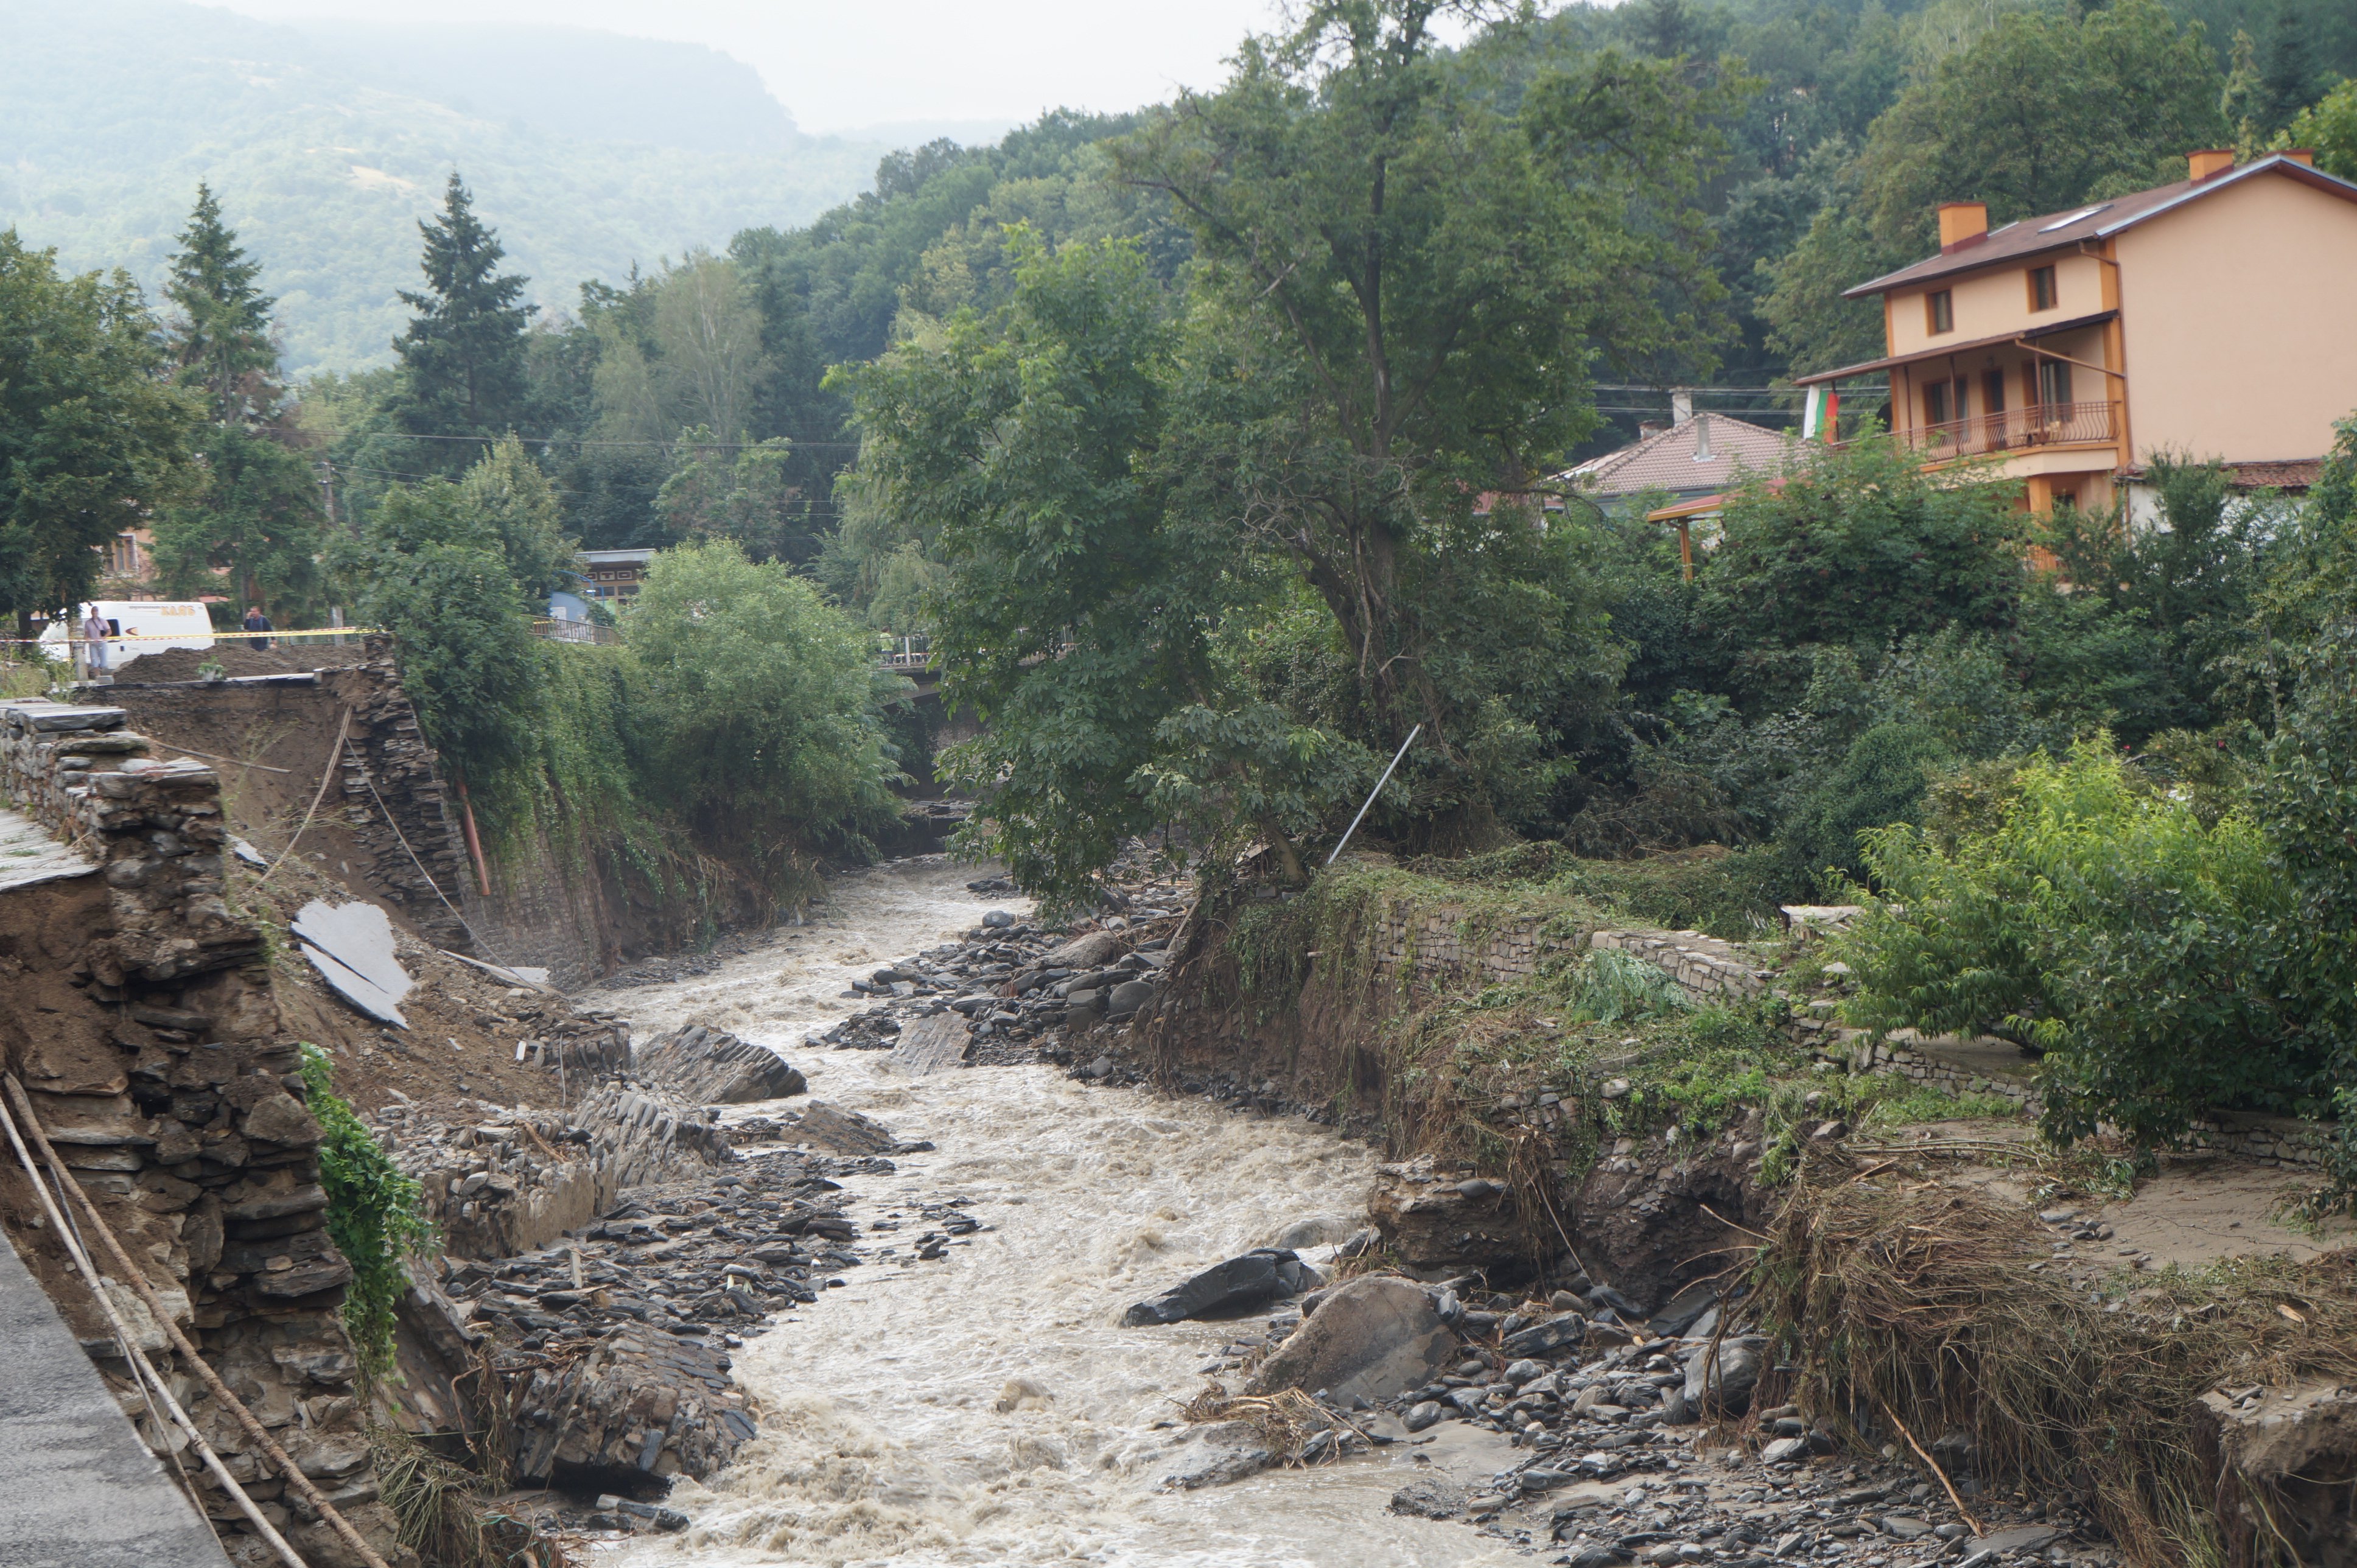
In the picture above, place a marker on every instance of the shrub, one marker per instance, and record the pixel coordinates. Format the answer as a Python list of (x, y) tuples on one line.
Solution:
[(374, 1216), (2108, 926)]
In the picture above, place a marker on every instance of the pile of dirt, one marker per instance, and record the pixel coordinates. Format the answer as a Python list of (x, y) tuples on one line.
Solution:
[(241, 659), (464, 1024)]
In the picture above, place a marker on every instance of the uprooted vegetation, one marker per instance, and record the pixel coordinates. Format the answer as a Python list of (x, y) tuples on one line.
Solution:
[(1347, 996), (1905, 1304)]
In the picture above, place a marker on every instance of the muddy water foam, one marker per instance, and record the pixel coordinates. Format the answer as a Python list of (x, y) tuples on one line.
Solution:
[(986, 1407)]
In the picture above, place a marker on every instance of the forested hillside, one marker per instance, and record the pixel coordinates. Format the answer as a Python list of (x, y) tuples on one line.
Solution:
[(597, 152)]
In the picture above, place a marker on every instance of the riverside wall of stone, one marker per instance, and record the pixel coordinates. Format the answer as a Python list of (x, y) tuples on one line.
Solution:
[(1433, 942), (143, 1026), (2280, 1141), (518, 1180)]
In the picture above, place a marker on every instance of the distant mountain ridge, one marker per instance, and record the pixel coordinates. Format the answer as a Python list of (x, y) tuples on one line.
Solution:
[(589, 152)]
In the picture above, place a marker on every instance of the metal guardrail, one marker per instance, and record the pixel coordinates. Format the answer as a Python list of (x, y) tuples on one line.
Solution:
[(586, 632), (2046, 425)]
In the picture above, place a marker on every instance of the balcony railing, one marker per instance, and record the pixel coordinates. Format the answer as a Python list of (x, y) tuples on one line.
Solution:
[(2046, 425)]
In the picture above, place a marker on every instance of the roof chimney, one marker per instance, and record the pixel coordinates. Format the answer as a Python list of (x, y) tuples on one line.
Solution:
[(1702, 439), (1961, 223), (1681, 405), (2304, 156), (2201, 166)]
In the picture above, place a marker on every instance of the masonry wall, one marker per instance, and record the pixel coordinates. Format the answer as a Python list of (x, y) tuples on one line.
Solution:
[(140, 1022)]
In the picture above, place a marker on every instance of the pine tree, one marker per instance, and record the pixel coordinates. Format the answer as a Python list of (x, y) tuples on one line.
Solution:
[(222, 336), (463, 352)]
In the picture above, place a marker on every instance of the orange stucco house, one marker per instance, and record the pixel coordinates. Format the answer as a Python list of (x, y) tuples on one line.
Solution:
[(2212, 319)]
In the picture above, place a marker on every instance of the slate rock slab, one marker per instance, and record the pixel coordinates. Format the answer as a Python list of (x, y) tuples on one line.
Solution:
[(1262, 1274), (712, 1067), (931, 1044)]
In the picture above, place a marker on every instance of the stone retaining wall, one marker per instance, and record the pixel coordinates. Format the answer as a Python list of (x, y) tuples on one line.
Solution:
[(1951, 1066), (519, 1179), (142, 1024), (1708, 969), (1431, 940)]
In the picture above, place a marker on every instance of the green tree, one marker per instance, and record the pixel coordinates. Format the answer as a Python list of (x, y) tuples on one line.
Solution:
[(763, 701), (748, 494), (1033, 453), (464, 351), (1856, 548), (1416, 280), (92, 435), (503, 504), (253, 515), (2140, 949), (221, 335), (2330, 127), (251, 527), (2044, 108), (457, 571)]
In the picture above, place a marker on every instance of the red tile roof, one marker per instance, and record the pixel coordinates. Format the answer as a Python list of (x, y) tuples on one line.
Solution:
[(1667, 461), (2095, 221)]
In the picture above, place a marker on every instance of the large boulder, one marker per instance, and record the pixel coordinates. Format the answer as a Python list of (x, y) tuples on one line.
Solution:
[(1262, 1274), (1720, 1378), (1374, 1338), (711, 1067), (1438, 1220)]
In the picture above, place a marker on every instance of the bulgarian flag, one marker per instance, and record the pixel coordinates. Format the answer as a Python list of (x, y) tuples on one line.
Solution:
[(1821, 412)]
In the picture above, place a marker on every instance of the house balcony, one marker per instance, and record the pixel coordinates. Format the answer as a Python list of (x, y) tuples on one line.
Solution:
[(2015, 430)]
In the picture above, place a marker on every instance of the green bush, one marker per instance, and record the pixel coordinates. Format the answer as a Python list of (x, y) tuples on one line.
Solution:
[(374, 1216), (2105, 924)]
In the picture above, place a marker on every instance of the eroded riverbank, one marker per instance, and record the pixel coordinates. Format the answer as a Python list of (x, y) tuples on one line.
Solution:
[(986, 1407)]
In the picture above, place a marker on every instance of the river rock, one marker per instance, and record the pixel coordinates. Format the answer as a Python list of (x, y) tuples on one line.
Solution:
[(712, 1067), (1723, 1378), (823, 1126), (1376, 1338), (1127, 997), (1546, 1338), (1257, 1276), (1318, 1230)]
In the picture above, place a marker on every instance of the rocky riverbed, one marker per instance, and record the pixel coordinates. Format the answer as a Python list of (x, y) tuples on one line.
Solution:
[(978, 1301)]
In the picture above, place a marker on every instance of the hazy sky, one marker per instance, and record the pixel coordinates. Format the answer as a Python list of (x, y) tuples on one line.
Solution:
[(837, 66)]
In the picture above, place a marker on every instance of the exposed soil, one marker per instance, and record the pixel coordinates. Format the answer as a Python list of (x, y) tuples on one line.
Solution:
[(240, 659), (463, 1024)]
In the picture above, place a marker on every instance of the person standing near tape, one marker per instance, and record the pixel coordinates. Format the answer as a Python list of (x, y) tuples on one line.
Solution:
[(256, 621), (94, 633)]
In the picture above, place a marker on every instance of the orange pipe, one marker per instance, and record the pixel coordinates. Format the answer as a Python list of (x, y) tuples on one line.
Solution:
[(474, 842)]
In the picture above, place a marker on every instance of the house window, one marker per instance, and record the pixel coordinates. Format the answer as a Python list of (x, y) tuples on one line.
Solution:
[(1935, 403), (1992, 392), (2042, 295), (1940, 307), (2054, 381)]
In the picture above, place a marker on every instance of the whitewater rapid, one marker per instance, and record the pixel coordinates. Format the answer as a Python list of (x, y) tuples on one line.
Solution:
[(987, 1408)]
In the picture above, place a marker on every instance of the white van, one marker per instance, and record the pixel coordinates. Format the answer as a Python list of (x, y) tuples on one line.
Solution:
[(136, 627)]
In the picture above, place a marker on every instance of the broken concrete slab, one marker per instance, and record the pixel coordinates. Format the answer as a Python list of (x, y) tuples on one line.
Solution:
[(351, 946), (82, 1488), (2283, 1464)]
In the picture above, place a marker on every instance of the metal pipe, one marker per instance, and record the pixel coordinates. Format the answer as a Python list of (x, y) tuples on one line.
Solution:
[(1374, 792)]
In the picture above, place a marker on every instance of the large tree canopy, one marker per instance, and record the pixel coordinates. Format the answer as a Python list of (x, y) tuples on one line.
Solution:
[(91, 432), (1409, 268)]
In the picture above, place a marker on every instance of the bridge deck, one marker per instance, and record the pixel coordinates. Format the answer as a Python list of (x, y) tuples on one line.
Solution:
[(78, 1490)]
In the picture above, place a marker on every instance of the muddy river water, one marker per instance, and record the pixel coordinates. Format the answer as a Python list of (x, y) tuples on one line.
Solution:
[(987, 1408)]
